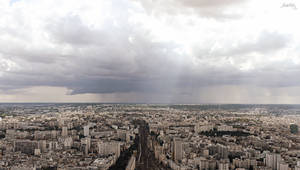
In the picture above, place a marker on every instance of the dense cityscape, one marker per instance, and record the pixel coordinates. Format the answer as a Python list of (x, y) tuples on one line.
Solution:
[(149, 85), (148, 136)]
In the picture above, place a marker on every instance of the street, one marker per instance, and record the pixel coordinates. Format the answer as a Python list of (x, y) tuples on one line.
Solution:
[(145, 158)]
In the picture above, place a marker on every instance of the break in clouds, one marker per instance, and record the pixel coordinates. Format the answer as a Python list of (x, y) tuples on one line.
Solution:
[(151, 51)]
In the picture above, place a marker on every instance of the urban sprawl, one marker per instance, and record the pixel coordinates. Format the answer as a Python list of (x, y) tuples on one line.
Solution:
[(149, 136)]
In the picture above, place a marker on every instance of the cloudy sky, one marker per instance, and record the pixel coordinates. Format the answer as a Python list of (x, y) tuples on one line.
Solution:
[(155, 51)]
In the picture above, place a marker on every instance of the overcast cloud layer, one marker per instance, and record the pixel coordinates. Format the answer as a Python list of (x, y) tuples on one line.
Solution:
[(191, 51)]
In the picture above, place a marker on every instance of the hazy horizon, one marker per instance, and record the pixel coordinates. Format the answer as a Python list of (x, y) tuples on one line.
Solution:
[(132, 103)]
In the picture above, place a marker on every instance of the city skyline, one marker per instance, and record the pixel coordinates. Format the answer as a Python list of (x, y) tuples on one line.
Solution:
[(130, 51), (149, 137)]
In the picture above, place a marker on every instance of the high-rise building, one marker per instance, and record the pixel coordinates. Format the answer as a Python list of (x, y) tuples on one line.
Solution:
[(37, 151), (26, 146), (222, 151), (53, 134), (42, 145), (283, 166), (109, 148), (68, 142), (273, 160), (86, 144), (201, 163), (177, 150), (118, 149), (131, 163), (123, 135), (223, 166), (297, 167), (86, 130), (64, 131)]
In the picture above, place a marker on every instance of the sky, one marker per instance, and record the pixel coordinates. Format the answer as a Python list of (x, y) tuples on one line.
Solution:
[(150, 51)]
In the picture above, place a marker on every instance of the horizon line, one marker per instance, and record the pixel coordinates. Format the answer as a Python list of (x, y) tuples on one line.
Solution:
[(153, 103)]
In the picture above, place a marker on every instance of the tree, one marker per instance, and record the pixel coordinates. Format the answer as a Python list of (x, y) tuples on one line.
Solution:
[(294, 128)]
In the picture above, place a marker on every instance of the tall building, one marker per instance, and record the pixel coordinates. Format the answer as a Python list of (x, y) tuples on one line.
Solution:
[(42, 145), (26, 146), (131, 163), (273, 160), (297, 167), (201, 163), (123, 135), (86, 144), (68, 142), (222, 151), (283, 166), (52, 145), (53, 134), (177, 150), (223, 166), (86, 130), (118, 149), (108, 148), (64, 131)]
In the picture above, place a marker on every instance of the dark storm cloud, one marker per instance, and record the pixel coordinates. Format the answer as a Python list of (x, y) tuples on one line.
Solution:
[(98, 60), (120, 56), (141, 65)]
